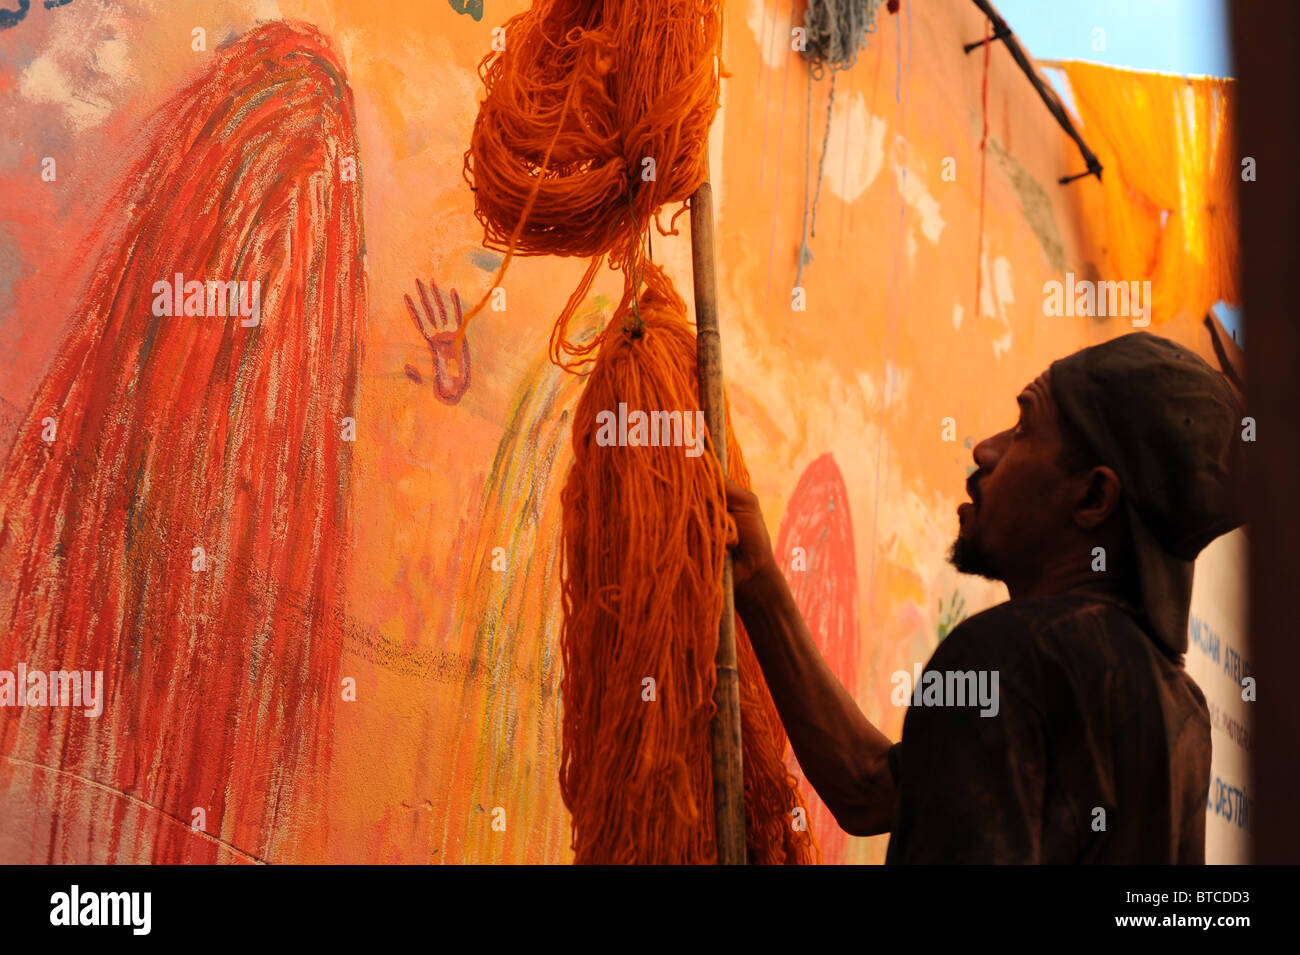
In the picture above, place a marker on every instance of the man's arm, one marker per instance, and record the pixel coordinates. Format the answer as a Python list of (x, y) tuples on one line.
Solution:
[(842, 755)]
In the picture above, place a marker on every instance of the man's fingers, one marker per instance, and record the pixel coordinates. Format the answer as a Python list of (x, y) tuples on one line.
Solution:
[(738, 494)]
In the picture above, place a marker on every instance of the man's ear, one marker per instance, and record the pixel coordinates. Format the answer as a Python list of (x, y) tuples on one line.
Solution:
[(1101, 498)]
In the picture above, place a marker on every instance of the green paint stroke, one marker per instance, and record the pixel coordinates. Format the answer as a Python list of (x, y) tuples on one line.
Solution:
[(473, 7), (953, 615)]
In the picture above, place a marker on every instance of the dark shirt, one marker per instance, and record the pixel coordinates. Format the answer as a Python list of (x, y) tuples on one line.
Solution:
[(1091, 716)]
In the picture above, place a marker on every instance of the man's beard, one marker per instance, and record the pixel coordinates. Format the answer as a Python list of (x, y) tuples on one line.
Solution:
[(969, 558), (966, 554)]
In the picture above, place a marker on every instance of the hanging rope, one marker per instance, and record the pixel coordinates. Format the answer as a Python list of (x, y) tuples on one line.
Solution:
[(984, 141), (805, 254), (835, 32)]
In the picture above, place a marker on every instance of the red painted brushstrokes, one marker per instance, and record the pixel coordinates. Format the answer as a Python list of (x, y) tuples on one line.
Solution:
[(182, 432), (817, 519)]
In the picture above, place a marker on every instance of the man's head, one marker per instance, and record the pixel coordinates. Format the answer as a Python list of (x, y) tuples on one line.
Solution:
[(1132, 446), (1041, 500)]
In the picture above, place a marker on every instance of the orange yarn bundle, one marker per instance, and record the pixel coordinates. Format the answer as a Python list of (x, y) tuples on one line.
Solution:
[(644, 531), (597, 114)]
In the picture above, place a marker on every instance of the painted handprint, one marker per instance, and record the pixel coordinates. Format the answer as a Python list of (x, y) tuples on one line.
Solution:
[(450, 365)]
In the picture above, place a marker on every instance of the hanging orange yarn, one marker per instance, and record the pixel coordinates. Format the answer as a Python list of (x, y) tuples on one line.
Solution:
[(597, 114), (644, 530)]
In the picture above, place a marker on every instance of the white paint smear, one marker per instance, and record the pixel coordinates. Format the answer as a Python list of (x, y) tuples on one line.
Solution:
[(44, 82), (774, 45), (855, 152), (910, 176), (996, 293)]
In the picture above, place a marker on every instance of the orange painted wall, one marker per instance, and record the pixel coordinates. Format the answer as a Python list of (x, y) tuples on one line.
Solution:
[(455, 660)]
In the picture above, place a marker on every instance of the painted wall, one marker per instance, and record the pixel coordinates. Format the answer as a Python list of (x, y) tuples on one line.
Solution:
[(439, 644), (1219, 660)]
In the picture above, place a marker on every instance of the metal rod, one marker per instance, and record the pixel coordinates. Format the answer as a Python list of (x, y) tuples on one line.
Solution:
[(1046, 93), (997, 35)]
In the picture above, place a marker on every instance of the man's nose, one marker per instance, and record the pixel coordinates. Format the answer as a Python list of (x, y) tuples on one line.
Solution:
[(989, 451)]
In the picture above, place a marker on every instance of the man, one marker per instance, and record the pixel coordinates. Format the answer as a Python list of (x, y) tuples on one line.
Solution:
[(1091, 510)]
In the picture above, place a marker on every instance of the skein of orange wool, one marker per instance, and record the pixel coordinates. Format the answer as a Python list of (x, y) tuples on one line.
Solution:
[(644, 532), (597, 114)]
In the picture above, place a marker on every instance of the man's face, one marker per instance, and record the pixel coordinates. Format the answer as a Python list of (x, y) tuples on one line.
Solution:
[(1021, 504)]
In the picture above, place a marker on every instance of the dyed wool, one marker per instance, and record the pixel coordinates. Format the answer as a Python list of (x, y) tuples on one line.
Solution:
[(644, 530), (596, 115)]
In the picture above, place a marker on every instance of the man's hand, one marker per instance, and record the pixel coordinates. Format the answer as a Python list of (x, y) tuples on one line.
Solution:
[(751, 548)]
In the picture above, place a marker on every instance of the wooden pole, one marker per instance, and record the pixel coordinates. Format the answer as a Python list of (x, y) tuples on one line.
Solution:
[(728, 775)]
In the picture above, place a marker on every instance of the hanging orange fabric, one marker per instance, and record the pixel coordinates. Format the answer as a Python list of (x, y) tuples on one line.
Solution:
[(644, 530), (1167, 145)]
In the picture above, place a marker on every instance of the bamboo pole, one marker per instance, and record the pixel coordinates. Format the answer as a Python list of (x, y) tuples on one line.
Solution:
[(728, 775)]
